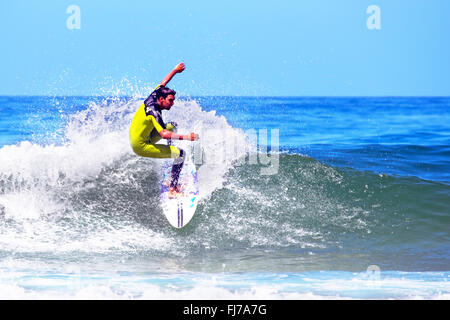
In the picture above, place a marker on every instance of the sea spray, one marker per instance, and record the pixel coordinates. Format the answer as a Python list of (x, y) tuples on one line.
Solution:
[(354, 190)]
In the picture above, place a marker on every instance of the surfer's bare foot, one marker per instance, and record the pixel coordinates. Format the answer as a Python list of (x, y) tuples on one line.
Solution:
[(174, 192)]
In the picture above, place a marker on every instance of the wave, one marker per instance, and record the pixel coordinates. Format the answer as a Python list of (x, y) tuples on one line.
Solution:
[(70, 192), (428, 162), (89, 193)]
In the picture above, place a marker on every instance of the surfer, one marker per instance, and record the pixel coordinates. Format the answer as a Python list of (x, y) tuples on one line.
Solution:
[(148, 127)]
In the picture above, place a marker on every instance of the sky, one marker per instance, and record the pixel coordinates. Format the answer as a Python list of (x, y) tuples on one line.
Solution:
[(234, 48)]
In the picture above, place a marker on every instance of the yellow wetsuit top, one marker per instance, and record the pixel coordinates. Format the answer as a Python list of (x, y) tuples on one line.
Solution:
[(145, 131)]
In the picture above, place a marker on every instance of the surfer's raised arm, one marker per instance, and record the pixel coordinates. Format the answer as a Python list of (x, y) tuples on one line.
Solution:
[(178, 69), (166, 102)]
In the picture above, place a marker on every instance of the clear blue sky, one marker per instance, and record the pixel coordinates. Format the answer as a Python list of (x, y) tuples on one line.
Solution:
[(277, 48)]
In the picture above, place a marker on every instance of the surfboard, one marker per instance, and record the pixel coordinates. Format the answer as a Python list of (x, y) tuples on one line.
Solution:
[(180, 209)]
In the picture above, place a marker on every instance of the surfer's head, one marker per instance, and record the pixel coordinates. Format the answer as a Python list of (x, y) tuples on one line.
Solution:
[(165, 98)]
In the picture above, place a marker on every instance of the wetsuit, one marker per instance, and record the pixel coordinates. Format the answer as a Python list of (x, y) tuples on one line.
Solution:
[(145, 133)]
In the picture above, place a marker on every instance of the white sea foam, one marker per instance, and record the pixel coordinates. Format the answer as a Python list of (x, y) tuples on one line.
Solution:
[(40, 182), (259, 286)]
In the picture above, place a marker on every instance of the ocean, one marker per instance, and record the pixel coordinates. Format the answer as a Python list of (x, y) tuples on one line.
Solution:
[(301, 198)]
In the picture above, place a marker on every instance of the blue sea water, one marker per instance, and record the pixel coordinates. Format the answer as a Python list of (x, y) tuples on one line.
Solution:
[(301, 198)]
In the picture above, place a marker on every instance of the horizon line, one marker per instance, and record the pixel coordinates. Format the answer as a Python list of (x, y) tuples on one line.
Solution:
[(235, 96)]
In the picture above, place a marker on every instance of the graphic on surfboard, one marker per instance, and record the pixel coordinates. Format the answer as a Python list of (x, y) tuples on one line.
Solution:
[(180, 209)]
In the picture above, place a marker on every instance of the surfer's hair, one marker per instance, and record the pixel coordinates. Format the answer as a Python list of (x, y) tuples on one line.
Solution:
[(164, 92)]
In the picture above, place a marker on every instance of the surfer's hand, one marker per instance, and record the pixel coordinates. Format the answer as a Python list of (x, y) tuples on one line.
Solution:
[(179, 68), (194, 136)]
